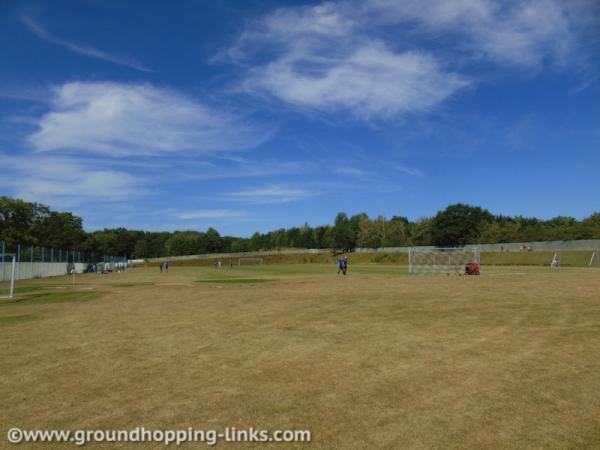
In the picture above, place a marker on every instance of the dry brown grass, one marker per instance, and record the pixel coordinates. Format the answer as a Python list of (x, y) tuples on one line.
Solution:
[(373, 360)]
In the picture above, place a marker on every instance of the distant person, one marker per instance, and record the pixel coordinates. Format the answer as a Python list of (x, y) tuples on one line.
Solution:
[(342, 265), (166, 266), (161, 267)]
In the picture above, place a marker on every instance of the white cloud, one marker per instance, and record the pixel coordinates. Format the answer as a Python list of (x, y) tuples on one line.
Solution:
[(81, 49), (384, 58), (66, 182), (515, 32), (268, 195), (371, 81), (210, 214), (122, 119)]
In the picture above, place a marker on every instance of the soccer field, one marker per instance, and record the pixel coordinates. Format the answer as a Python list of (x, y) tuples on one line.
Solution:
[(376, 359)]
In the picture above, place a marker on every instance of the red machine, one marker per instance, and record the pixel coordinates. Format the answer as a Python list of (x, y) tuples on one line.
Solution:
[(472, 269)]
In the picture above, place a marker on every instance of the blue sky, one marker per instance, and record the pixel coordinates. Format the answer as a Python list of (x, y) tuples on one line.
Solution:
[(251, 116)]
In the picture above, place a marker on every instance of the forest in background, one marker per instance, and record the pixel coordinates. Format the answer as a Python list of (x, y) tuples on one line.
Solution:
[(34, 224)]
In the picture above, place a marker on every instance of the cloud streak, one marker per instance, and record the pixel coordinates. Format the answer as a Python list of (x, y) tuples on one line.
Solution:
[(210, 214), (81, 49), (114, 119), (67, 182), (268, 195)]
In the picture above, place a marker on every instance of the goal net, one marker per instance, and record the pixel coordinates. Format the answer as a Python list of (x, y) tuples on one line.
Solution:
[(441, 261), (8, 262), (250, 262)]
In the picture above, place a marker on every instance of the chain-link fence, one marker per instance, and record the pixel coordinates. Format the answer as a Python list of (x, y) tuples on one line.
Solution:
[(41, 262)]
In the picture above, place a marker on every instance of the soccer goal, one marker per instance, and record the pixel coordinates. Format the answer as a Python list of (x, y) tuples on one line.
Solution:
[(441, 261), (250, 262), (8, 272)]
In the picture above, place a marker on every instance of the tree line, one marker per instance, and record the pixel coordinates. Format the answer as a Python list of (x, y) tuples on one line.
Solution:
[(34, 224)]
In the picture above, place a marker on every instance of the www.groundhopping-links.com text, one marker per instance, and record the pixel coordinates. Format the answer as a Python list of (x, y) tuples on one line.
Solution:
[(166, 437)]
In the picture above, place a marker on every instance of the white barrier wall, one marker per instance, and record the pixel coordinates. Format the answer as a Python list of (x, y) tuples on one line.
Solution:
[(25, 270)]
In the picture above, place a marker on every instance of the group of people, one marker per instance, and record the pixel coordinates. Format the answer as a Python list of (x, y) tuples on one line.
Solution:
[(164, 266)]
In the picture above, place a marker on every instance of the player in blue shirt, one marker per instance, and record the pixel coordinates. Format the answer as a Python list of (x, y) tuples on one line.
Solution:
[(343, 265)]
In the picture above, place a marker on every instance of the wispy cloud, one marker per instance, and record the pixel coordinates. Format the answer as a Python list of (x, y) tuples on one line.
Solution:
[(210, 214), (115, 119), (67, 182), (387, 58), (81, 49), (413, 172), (371, 80), (268, 195), (236, 167), (524, 33)]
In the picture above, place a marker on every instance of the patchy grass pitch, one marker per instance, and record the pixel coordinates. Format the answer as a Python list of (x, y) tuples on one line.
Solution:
[(377, 359)]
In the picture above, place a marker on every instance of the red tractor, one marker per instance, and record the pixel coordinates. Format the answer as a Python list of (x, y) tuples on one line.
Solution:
[(472, 269)]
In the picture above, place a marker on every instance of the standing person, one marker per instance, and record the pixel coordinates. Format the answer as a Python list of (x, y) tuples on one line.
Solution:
[(341, 266), (166, 266), (161, 267)]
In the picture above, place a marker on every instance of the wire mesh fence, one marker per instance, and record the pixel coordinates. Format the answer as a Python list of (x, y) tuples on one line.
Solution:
[(40, 262)]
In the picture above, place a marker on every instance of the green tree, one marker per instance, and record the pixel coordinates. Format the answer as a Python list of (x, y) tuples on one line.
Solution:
[(342, 234), (459, 224)]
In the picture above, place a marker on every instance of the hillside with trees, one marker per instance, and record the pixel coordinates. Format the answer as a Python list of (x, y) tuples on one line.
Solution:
[(34, 224)]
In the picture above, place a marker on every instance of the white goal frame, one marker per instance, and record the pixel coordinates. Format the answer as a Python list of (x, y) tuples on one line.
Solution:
[(250, 262), (11, 289), (441, 261)]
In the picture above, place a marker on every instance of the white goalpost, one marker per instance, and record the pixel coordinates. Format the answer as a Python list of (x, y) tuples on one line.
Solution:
[(441, 261), (250, 262), (11, 285), (595, 257)]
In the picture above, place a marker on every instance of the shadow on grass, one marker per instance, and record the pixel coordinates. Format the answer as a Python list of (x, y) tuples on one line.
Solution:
[(44, 298)]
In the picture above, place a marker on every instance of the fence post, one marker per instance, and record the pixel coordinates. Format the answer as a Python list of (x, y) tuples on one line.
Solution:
[(18, 259)]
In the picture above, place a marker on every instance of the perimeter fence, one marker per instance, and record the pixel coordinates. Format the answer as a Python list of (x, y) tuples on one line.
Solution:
[(40, 262)]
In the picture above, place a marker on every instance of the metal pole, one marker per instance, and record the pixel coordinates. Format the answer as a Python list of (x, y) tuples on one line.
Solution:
[(18, 256), (12, 278)]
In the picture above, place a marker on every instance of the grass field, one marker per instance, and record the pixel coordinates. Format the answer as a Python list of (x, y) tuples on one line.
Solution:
[(378, 359)]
